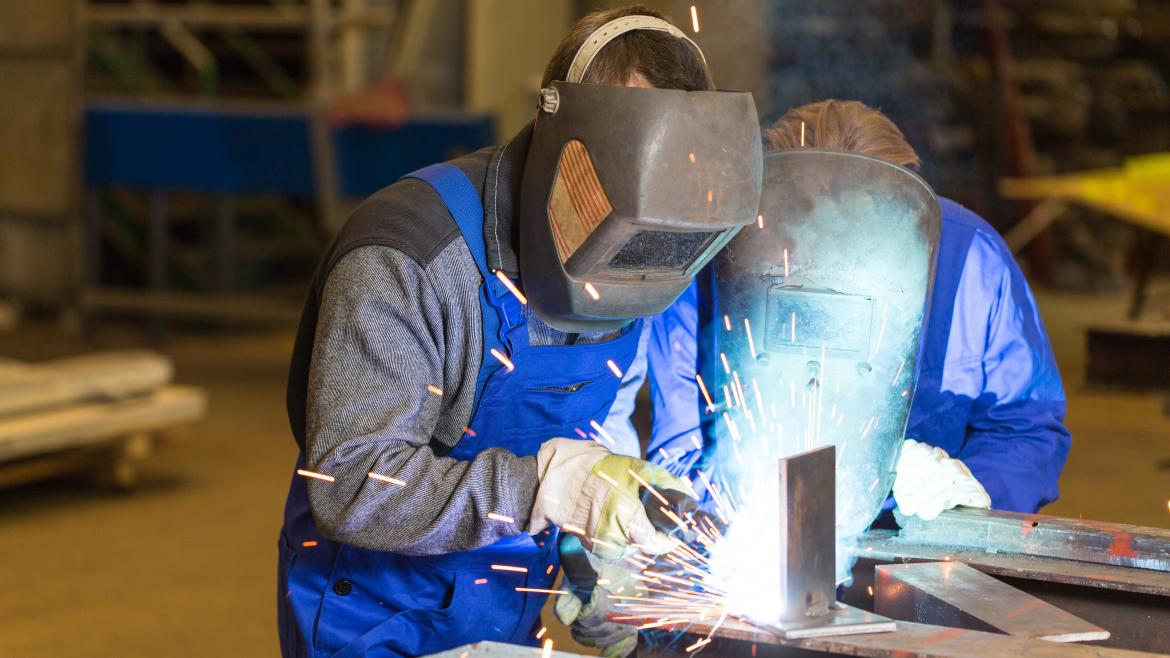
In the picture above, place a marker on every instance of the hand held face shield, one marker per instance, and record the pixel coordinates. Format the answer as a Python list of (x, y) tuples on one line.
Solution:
[(628, 192)]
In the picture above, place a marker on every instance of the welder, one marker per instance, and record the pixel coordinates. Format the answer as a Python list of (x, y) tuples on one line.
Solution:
[(467, 333), (986, 421)]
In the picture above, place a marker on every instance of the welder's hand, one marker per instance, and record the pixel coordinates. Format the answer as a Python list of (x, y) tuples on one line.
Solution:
[(590, 582), (586, 489), (928, 481)]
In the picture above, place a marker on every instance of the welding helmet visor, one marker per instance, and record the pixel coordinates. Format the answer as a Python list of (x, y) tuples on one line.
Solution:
[(628, 192)]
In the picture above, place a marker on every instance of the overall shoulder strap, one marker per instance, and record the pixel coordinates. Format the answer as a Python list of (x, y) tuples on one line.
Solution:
[(462, 201)]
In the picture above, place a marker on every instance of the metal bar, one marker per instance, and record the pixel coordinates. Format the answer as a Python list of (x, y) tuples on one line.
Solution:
[(807, 535), (956, 595), (738, 639), (1133, 604), (1049, 536)]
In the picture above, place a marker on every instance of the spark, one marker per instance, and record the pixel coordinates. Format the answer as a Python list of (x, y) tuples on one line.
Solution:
[(468, 431), (793, 328), (882, 331), (603, 476), (573, 529), (537, 590), (511, 286), (899, 373), (604, 543), (728, 397), (503, 359), (481, 581), (386, 478), (648, 487), (465, 654), (311, 474), (760, 221), (506, 567), (549, 570), (592, 291), (727, 322), (751, 343), (692, 156), (308, 544), (702, 642), (601, 430), (709, 196), (664, 453), (540, 633), (435, 390), (703, 388), (500, 517), (786, 262), (695, 18), (802, 133), (613, 367), (699, 446), (726, 367), (870, 590), (578, 431)]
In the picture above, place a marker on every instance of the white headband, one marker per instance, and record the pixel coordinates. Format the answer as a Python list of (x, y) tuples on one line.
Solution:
[(612, 30)]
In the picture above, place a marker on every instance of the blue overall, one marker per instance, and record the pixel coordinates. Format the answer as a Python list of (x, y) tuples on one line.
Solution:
[(341, 600)]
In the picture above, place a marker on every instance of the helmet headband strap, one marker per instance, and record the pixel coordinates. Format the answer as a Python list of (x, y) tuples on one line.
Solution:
[(614, 29)]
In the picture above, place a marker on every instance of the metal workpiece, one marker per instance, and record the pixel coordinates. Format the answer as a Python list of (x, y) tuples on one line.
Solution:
[(1048, 536), (807, 538), (500, 650), (818, 313), (956, 595), (1133, 604), (738, 639)]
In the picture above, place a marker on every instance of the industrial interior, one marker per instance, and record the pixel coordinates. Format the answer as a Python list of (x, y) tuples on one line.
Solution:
[(580, 327)]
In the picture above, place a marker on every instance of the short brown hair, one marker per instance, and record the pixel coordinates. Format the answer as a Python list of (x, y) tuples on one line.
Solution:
[(843, 126), (666, 62)]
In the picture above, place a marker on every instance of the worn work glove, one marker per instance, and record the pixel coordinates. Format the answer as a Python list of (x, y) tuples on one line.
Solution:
[(590, 581), (928, 481), (586, 489)]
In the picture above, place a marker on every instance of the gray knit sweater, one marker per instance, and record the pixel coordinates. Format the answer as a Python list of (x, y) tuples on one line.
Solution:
[(389, 327)]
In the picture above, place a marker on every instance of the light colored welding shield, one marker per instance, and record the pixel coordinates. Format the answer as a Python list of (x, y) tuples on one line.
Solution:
[(834, 287)]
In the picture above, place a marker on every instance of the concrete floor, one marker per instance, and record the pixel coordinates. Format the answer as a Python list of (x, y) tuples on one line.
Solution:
[(186, 563)]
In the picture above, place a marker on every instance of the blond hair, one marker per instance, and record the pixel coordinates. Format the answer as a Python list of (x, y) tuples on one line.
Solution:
[(843, 126)]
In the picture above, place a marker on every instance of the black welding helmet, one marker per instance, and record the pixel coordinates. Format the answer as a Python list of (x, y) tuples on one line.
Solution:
[(628, 192)]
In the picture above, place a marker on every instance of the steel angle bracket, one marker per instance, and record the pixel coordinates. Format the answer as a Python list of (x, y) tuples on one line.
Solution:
[(808, 553)]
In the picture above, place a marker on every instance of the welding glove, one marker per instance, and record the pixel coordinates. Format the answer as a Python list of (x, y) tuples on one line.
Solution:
[(590, 583), (587, 490), (929, 481)]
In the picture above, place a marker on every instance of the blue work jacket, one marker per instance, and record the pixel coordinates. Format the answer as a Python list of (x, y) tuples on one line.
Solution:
[(989, 392)]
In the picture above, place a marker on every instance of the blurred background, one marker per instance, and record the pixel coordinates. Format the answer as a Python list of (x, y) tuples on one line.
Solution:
[(170, 172)]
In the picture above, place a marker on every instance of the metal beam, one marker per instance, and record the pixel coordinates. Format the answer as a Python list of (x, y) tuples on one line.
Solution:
[(956, 595), (737, 639), (1049, 536), (807, 513)]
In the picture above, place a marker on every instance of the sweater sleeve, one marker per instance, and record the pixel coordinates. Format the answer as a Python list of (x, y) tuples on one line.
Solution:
[(392, 379)]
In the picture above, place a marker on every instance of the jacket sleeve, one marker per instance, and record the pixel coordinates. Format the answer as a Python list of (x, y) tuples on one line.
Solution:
[(672, 355), (619, 421), (390, 366), (1016, 441)]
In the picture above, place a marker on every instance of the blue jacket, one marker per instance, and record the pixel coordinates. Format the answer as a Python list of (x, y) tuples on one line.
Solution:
[(989, 392)]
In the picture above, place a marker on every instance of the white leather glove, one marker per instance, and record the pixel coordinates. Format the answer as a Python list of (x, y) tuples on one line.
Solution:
[(587, 490), (928, 481)]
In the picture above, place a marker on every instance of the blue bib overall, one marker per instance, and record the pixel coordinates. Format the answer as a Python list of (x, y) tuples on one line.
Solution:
[(340, 600)]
